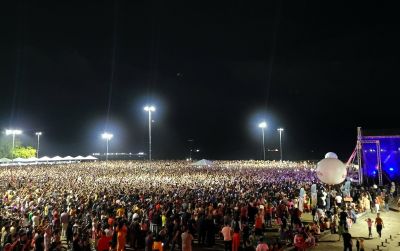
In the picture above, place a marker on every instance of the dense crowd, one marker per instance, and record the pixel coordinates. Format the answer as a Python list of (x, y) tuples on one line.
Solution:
[(163, 205)]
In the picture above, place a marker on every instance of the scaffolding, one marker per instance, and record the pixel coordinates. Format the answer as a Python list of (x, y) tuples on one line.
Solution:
[(361, 140)]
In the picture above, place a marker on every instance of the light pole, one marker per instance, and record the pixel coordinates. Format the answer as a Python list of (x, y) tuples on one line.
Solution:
[(190, 156), (149, 109), (38, 134), (13, 132), (280, 130), (107, 136), (263, 125), (190, 148)]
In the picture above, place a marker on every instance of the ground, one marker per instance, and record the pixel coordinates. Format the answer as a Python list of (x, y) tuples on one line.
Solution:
[(330, 242), (391, 222)]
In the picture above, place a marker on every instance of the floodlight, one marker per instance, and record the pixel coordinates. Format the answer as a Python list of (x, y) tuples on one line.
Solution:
[(107, 136), (13, 132), (262, 125), (149, 108)]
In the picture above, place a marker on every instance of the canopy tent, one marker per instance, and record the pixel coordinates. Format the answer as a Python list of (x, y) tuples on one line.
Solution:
[(68, 158), (5, 160), (57, 158), (90, 157), (44, 158), (79, 157), (202, 162), (19, 160)]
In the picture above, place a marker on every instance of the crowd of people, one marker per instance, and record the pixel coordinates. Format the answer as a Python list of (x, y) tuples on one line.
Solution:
[(162, 205)]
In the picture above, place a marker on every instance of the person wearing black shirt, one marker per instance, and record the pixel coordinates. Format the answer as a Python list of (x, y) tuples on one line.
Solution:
[(202, 230), (343, 218), (210, 231), (134, 231), (156, 222), (245, 233), (76, 243), (252, 211), (176, 235), (39, 242), (347, 242), (248, 246), (386, 202)]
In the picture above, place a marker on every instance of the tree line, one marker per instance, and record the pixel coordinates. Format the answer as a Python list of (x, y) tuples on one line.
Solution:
[(19, 151)]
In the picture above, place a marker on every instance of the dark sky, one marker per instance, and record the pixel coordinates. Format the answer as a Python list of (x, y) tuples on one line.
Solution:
[(213, 69)]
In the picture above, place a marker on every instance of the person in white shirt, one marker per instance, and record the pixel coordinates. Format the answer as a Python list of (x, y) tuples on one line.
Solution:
[(35, 220), (338, 200)]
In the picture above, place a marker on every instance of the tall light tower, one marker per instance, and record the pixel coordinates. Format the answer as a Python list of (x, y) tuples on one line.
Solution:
[(38, 134), (13, 132), (107, 136), (149, 109), (263, 125), (280, 130), (190, 148)]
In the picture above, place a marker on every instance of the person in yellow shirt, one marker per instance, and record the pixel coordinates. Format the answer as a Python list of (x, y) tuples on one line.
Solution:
[(46, 210), (163, 220), (10, 194), (120, 212)]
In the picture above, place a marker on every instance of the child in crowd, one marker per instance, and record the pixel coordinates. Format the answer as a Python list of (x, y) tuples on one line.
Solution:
[(369, 222)]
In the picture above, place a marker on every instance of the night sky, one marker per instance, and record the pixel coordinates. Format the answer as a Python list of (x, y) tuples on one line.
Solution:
[(214, 70)]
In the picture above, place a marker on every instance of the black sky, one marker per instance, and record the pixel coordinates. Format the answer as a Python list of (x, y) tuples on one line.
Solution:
[(317, 69)]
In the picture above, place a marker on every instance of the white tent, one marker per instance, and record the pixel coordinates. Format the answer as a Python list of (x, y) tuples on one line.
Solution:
[(19, 160), (44, 158), (202, 162), (90, 157), (57, 158), (79, 157), (68, 158), (32, 159)]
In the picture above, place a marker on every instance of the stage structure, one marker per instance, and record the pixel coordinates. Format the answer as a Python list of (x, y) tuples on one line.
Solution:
[(378, 157)]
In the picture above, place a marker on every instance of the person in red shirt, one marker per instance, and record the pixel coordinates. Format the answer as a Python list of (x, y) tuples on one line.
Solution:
[(299, 241), (104, 242), (268, 215), (236, 237), (110, 221), (379, 224), (258, 224), (243, 213), (121, 237)]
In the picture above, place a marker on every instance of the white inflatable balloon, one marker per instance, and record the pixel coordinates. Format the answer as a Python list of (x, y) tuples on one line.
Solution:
[(331, 155), (331, 171)]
